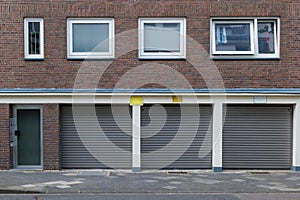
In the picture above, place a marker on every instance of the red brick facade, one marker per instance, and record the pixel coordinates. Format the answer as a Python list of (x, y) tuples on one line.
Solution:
[(5, 158), (55, 71), (51, 150)]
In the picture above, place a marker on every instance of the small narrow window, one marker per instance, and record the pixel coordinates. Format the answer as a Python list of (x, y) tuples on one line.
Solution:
[(162, 38), (266, 37), (90, 38), (33, 38)]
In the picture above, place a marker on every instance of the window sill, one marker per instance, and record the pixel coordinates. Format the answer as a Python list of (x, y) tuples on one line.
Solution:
[(161, 57), (34, 59), (90, 57), (244, 57)]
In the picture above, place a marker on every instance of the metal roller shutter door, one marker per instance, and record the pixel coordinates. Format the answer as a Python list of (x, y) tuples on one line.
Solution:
[(257, 137), (176, 137), (85, 147)]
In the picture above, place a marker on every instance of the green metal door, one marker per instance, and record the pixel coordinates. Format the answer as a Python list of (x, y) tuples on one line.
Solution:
[(28, 137)]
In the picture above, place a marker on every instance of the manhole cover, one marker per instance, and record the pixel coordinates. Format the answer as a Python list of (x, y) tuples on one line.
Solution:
[(177, 172), (7, 191), (260, 173)]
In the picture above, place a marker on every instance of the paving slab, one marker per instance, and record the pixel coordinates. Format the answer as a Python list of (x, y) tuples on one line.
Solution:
[(118, 181)]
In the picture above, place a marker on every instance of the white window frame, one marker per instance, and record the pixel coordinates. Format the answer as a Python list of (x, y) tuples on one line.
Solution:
[(90, 55), (255, 53), (276, 38), (26, 39), (163, 55), (234, 52)]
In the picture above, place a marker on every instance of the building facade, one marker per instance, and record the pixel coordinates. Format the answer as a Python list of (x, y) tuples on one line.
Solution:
[(138, 84)]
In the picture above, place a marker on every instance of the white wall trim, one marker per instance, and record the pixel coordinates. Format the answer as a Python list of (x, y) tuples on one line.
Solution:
[(217, 134), (124, 98), (296, 135), (136, 137)]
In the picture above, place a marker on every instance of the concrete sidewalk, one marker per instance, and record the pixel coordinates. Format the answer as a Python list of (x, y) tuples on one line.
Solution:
[(158, 182)]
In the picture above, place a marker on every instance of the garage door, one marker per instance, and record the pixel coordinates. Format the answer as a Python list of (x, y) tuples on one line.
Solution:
[(176, 137), (96, 137), (257, 137)]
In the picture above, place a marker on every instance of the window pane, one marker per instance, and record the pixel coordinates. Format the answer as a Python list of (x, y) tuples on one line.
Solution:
[(161, 37), (266, 37), (90, 37), (233, 37), (34, 37)]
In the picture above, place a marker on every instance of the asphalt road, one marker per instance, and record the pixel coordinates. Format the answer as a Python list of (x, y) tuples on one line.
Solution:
[(259, 196)]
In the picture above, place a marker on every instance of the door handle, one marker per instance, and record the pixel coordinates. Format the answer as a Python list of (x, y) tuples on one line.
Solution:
[(17, 133)]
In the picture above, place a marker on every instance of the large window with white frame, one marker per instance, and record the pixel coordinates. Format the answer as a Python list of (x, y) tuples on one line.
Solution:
[(162, 38), (245, 38), (34, 38), (90, 38)]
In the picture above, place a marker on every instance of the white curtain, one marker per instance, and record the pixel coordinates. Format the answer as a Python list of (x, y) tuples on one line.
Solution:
[(162, 37)]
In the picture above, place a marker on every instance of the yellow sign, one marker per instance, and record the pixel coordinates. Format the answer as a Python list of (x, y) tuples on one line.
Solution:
[(136, 100), (176, 99)]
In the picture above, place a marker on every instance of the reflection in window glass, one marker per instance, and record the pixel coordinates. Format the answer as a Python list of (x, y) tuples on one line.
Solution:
[(266, 43), (161, 37), (90, 37), (34, 37), (232, 37)]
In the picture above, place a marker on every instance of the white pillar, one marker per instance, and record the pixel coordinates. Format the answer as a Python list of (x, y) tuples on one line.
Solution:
[(136, 138), (296, 137), (217, 136)]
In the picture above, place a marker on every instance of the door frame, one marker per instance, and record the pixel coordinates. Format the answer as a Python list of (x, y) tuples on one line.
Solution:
[(15, 150)]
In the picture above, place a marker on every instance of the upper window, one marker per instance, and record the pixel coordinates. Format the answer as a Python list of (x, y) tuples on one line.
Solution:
[(90, 38), (33, 38), (162, 38), (245, 38)]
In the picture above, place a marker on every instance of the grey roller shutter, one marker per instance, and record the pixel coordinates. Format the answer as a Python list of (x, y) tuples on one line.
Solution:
[(87, 145), (176, 137), (257, 137)]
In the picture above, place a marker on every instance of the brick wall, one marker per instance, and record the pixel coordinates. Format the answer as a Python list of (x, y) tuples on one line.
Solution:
[(5, 161), (51, 150), (58, 72)]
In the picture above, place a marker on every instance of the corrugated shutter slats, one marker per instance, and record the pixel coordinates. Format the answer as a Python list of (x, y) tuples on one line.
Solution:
[(257, 137), (191, 129), (82, 152)]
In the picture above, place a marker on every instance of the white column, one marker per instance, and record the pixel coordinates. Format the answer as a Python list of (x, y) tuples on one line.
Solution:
[(217, 136), (136, 138), (296, 138)]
